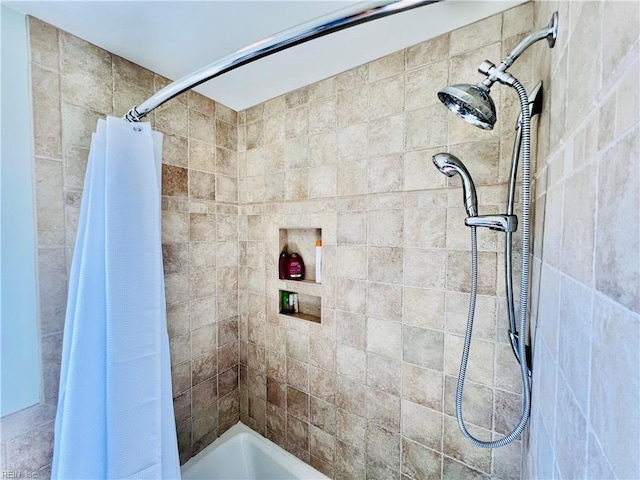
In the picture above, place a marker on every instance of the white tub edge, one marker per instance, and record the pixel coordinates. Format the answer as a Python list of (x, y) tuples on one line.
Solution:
[(237, 429)]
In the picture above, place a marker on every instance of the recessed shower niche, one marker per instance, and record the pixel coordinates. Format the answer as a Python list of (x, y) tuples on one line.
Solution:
[(307, 292), (307, 307), (303, 242)]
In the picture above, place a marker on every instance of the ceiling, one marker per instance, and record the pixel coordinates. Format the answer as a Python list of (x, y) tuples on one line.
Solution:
[(174, 38)]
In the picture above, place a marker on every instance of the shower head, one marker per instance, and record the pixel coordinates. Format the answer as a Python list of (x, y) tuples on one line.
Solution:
[(471, 103), (450, 165)]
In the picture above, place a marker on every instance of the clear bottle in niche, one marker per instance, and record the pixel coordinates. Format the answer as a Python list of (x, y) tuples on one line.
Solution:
[(319, 261)]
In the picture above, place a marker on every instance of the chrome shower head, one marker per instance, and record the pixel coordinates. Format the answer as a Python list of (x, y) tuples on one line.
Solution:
[(450, 165), (471, 103)]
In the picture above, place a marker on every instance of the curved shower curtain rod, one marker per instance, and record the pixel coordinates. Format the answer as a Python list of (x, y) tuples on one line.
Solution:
[(344, 18)]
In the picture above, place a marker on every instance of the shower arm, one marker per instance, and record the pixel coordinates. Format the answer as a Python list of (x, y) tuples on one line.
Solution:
[(344, 18), (499, 73)]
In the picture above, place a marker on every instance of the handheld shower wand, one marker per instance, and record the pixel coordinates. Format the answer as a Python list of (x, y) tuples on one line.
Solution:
[(450, 165)]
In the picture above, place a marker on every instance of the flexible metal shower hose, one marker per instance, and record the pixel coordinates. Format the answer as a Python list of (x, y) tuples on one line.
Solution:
[(524, 292)]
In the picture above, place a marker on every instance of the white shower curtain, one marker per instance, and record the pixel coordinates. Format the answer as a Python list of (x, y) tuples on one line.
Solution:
[(115, 408)]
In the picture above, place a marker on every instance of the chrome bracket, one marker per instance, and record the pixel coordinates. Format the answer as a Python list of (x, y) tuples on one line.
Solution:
[(495, 74), (500, 223), (514, 338)]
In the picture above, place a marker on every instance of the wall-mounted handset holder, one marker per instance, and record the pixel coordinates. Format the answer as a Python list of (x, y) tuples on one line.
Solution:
[(500, 223)]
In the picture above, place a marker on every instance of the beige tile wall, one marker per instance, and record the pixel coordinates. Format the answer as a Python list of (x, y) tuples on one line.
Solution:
[(586, 384), (73, 84), (369, 392)]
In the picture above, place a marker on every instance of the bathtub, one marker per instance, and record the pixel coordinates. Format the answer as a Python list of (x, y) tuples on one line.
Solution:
[(241, 453)]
